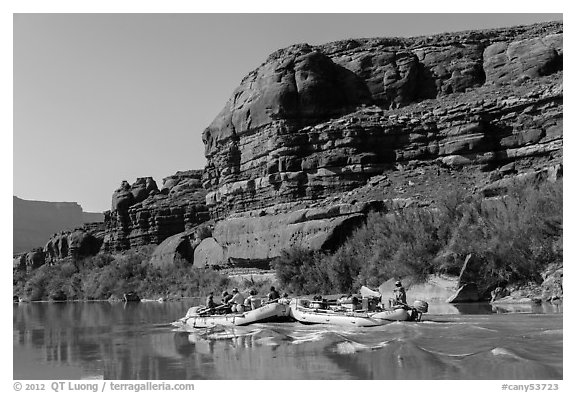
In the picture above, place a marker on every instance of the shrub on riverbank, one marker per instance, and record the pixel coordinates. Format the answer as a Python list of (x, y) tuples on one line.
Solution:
[(103, 276), (513, 239)]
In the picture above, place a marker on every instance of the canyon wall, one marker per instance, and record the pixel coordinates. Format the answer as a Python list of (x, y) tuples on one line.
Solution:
[(378, 120), (319, 136), (316, 121)]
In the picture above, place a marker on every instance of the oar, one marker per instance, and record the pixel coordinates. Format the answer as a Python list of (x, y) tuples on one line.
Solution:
[(212, 309)]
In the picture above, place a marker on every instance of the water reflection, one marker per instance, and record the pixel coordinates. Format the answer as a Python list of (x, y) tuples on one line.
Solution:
[(105, 339), (489, 308), (136, 341)]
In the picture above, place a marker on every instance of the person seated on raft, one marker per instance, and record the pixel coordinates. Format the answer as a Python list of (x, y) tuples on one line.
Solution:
[(237, 301), (226, 297), (284, 299), (273, 295), (210, 303), (252, 302), (399, 298), (224, 308)]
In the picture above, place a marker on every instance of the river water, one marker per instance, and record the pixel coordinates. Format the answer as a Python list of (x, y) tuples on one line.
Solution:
[(101, 340)]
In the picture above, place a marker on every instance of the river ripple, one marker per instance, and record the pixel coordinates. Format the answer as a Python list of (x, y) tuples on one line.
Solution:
[(136, 341)]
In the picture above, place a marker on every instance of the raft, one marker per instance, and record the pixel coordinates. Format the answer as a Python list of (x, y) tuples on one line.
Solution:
[(272, 312), (307, 312)]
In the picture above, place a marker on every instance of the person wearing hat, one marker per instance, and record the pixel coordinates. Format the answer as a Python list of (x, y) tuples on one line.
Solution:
[(284, 299), (237, 301), (226, 297), (273, 295), (252, 302), (399, 295), (210, 301)]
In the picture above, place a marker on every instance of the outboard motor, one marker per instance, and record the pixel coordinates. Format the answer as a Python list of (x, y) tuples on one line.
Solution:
[(418, 308), (421, 306)]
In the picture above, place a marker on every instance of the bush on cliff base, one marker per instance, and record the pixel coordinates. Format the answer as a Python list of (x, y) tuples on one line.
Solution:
[(514, 238)]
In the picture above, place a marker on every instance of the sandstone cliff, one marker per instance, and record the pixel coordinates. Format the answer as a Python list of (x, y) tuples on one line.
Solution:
[(318, 136), (287, 132), (391, 120), (143, 214)]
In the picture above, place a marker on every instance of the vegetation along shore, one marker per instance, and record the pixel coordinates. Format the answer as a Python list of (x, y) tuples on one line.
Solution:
[(514, 239)]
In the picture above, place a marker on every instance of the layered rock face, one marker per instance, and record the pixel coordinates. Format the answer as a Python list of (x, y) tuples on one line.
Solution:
[(143, 214), (317, 121), (384, 123)]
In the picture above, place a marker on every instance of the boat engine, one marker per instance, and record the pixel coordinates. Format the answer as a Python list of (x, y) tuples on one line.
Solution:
[(421, 306), (418, 308)]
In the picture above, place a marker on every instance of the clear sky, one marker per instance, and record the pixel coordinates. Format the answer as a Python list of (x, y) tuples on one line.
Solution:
[(101, 98)]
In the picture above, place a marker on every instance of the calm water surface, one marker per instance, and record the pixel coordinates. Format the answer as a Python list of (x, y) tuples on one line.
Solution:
[(137, 341)]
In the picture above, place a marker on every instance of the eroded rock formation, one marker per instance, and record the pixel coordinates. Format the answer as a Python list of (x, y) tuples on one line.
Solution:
[(397, 119), (75, 244), (317, 121), (143, 214)]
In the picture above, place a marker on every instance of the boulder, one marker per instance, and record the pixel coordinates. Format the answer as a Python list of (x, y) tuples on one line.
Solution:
[(256, 237), (266, 237), (179, 246), (209, 253), (552, 286), (498, 293), (510, 299), (465, 294), (505, 62), (131, 297)]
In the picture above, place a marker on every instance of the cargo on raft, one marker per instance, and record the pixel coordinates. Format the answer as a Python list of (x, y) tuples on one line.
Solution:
[(322, 312), (200, 317)]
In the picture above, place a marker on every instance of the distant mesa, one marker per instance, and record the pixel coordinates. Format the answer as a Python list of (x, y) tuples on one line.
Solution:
[(36, 221)]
